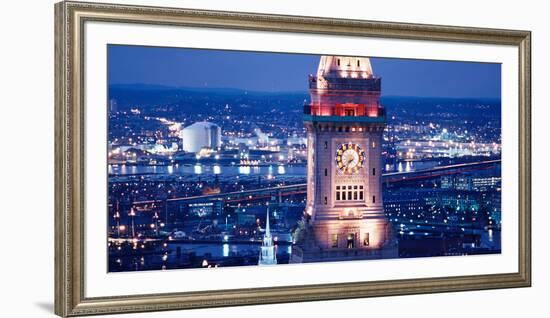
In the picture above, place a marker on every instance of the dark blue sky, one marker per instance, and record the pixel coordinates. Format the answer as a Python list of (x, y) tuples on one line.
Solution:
[(288, 72)]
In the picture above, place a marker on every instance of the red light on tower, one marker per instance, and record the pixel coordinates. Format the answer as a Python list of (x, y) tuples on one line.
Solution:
[(373, 112)]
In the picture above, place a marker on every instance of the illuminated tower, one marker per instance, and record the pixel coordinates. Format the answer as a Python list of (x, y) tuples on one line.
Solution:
[(344, 125), (267, 252)]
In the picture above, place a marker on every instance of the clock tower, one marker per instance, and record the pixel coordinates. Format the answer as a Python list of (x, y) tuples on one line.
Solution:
[(344, 123)]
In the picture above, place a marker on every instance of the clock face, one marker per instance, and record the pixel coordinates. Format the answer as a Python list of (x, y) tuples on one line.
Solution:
[(350, 158)]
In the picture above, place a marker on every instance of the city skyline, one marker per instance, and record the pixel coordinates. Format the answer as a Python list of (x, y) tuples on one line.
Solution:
[(201, 178), (282, 72)]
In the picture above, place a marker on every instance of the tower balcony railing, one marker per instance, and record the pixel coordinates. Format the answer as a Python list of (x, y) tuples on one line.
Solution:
[(372, 84), (363, 111)]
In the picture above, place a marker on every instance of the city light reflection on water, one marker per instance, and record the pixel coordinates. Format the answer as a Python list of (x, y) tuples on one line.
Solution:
[(244, 169), (225, 170), (198, 169), (217, 169), (409, 166), (225, 250)]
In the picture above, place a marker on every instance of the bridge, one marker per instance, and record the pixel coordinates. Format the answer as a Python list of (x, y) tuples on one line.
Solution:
[(435, 172), (300, 188)]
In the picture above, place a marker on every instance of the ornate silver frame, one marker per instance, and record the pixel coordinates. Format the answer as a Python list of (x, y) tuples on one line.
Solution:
[(69, 157)]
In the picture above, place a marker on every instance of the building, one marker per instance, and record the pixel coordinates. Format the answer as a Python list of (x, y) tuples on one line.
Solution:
[(404, 204), (201, 135), (344, 125), (460, 182), (203, 209), (267, 251), (486, 183), (113, 106)]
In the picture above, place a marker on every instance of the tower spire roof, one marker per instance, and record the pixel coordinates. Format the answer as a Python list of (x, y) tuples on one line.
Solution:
[(344, 67), (267, 231)]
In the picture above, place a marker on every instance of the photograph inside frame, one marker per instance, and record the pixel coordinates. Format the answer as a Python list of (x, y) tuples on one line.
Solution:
[(222, 158)]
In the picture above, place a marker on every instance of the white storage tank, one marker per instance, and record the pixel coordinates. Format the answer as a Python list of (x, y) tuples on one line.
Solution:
[(200, 135)]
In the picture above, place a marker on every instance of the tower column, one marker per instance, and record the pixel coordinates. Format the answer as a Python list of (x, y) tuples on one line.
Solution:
[(344, 123)]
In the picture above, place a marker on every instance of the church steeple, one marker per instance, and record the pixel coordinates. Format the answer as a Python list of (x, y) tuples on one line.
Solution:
[(267, 231), (267, 252)]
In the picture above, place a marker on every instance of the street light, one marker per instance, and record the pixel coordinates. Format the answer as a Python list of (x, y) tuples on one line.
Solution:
[(155, 223), (116, 216), (133, 214)]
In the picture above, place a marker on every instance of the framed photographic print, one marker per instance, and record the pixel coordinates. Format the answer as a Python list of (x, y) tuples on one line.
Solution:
[(210, 158)]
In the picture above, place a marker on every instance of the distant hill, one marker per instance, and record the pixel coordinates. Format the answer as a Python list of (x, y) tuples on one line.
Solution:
[(193, 99), (205, 99), (462, 107)]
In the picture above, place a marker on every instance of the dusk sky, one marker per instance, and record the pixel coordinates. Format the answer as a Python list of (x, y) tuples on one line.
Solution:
[(288, 72)]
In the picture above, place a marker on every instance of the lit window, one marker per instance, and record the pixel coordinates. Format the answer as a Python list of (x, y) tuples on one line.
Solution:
[(366, 240), (334, 240), (351, 240)]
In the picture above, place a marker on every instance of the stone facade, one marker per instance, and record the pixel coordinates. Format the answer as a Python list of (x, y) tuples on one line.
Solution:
[(344, 202)]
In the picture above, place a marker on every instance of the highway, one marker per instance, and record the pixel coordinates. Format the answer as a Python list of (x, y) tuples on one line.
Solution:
[(300, 188)]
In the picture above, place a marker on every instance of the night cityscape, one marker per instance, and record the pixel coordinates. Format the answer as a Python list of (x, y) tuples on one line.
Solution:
[(215, 174)]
